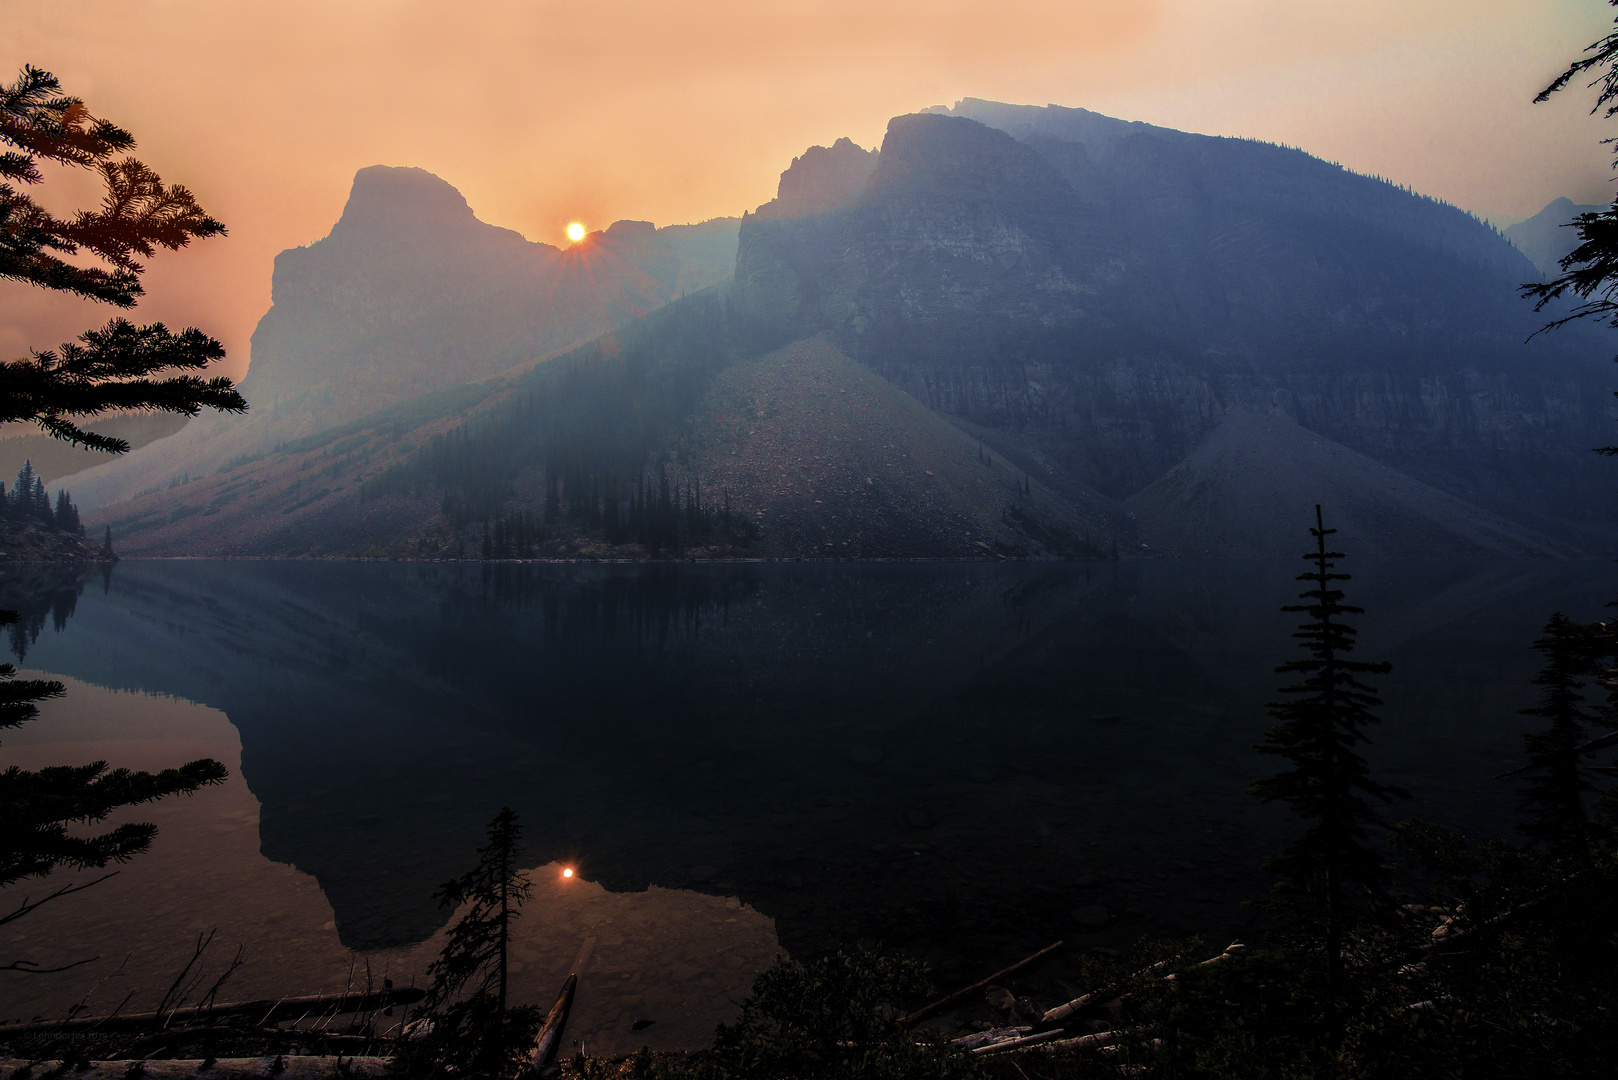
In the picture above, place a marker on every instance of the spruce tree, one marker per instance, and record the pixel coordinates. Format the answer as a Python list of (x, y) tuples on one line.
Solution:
[(96, 255), (119, 366), (66, 516), (1322, 722), (39, 507), (22, 492), (1554, 802)]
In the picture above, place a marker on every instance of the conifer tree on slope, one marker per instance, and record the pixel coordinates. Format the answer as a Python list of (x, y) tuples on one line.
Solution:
[(1322, 722), (119, 366)]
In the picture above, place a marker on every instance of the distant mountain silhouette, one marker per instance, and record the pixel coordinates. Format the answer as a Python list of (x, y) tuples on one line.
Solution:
[(1091, 311), (1546, 237), (1096, 294), (822, 179), (410, 293)]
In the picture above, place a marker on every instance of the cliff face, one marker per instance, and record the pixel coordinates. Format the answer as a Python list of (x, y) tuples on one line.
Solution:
[(411, 292), (823, 179), (1099, 294)]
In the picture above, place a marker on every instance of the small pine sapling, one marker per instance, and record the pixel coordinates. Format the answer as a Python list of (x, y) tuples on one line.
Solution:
[(476, 1032)]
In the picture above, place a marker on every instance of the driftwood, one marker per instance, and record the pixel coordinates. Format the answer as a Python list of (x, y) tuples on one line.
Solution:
[(983, 1038), (1096, 997), (1468, 936), (1472, 934), (945, 1002), (549, 1039), (1108, 992), (1019, 1043), (268, 1011), (1052, 1041), (269, 1067), (1083, 1042)]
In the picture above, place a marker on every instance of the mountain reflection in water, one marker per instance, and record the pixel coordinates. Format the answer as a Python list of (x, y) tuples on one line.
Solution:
[(965, 761)]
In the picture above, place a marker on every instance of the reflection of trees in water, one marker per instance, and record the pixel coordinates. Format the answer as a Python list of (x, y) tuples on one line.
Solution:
[(529, 639), (653, 604), (44, 591)]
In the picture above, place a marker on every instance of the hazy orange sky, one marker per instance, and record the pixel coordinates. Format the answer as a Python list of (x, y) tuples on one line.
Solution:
[(542, 112)]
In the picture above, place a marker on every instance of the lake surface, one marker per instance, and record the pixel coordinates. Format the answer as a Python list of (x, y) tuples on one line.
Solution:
[(960, 761)]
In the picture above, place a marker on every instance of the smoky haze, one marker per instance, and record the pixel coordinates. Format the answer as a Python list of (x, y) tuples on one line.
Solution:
[(543, 114)]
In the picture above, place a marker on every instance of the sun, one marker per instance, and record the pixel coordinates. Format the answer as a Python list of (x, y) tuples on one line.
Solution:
[(575, 231)]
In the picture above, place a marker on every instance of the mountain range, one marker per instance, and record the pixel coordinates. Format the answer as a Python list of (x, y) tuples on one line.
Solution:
[(411, 294), (1546, 237), (1010, 330)]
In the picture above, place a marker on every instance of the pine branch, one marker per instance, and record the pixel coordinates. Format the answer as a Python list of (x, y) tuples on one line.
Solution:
[(107, 370), (32, 967), (28, 905)]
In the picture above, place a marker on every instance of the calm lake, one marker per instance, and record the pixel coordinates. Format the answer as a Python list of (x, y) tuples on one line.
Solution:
[(960, 761)]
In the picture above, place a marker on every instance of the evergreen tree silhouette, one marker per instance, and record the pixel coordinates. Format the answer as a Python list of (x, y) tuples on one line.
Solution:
[(93, 254), (1322, 721), (22, 492), (1554, 802), (472, 1027), (115, 367)]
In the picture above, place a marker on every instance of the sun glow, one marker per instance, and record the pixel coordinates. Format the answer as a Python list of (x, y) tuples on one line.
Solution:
[(575, 231), (567, 872)]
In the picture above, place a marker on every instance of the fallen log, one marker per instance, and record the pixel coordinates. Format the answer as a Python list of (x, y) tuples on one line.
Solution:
[(1471, 934), (1083, 1042), (267, 1011), (312, 1040), (280, 1067), (983, 1038), (1019, 1043), (1106, 993), (549, 1039), (945, 1002)]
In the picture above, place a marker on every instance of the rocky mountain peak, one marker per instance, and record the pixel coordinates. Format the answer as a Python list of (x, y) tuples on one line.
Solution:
[(929, 151), (1547, 236), (385, 197), (822, 179), (631, 230)]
